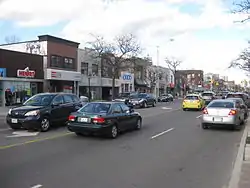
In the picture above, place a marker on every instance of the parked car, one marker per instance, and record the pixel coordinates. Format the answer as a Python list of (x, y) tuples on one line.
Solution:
[(165, 98), (228, 113), (84, 100), (107, 118), (43, 110), (208, 96), (123, 96), (244, 97), (143, 100), (193, 101), (242, 103)]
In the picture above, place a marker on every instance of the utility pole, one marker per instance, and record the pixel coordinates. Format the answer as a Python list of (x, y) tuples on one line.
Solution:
[(158, 71)]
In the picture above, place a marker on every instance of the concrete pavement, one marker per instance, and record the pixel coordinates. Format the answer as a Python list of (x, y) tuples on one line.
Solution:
[(171, 150)]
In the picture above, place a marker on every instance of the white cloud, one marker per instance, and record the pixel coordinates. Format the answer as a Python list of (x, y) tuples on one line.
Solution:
[(154, 21)]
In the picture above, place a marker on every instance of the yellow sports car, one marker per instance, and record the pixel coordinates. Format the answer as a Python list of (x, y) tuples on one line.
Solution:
[(193, 101)]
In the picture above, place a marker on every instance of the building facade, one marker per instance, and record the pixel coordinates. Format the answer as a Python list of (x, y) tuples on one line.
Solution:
[(187, 80), (21, 75), (59, 61)]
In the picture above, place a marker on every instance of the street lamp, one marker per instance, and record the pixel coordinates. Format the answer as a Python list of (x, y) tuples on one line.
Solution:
[(89, 77)]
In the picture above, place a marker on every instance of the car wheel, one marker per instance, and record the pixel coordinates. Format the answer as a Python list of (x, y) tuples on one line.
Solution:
[(138, 124), (145, 105), (154, 103), (184, 109), (113, 133), (204, 126), (45, 124), (79, 134)]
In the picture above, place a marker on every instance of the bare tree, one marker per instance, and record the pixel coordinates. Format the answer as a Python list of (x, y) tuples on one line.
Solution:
[(242, 61), (242, 7), (152, 75), (117, 55), (11, 39), (173, 64)]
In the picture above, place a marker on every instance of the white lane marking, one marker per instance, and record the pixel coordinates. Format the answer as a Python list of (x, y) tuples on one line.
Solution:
[(166, 108), (162, 133), (22, 134), (198, 116), (36, 186)]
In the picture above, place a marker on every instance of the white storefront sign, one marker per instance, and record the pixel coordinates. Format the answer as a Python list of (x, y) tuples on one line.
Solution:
[(53, 74), (127, 82)]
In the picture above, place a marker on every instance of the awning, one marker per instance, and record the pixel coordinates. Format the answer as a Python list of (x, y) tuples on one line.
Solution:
[(140, 83)]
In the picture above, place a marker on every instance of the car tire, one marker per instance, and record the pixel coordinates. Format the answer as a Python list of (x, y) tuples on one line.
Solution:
[(113, 132), (45, 124), (184, 109), (138, 124), (79, 134), (145, 105), (204, 126), (154, 103)]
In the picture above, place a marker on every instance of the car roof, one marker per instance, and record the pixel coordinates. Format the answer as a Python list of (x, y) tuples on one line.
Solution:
[(194, 94)]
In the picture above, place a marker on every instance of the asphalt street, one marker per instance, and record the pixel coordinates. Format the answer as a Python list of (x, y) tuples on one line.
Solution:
[(171, 150)]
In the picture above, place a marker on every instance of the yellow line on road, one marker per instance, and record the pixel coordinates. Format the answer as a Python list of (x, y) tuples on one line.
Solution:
[(35, 140)]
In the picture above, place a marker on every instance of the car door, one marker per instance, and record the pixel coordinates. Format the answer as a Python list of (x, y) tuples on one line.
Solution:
[(57, 109), (68, 104), (130, 116), (120, 116)]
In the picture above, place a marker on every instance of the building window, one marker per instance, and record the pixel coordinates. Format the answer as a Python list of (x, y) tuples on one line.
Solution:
[(126, 87), (68, 63), (199, 75), (94, 70), (122, 86), (55, 61), (131, 87), (84, 68), (192, 75)]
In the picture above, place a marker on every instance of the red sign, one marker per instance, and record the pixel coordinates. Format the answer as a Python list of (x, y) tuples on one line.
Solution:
[(26, 73), (171, 85)]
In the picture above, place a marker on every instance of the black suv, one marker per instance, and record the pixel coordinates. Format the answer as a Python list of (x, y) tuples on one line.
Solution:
[(42, 110)]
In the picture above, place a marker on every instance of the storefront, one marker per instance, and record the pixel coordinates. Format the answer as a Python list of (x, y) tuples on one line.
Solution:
[(21, 76), (127, 82), (62, 81)]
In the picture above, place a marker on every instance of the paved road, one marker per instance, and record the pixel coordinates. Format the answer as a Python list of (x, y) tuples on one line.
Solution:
[(170, 151)]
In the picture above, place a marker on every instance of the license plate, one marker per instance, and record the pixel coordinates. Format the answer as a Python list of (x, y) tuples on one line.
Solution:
[(217, 119), (83, 120), (14, 121)]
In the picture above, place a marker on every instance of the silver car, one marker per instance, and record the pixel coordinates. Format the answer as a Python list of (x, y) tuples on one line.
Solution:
[(229, 113)]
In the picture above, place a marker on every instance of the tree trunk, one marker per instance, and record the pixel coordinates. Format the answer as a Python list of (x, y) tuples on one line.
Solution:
[(175, 87), (113, 87)]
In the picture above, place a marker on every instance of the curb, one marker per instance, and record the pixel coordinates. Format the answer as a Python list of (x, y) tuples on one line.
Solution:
[(235, 176)]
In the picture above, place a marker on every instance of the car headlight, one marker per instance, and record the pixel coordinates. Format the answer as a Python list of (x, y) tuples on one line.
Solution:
[(9, 111), (32, 113)]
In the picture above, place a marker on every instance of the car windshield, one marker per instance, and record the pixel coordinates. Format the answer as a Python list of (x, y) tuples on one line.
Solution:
[(192, 97), (124, 95), (142, 95), (95, 108), (221, 104), (39, 100), (207, 94), (234, 96)]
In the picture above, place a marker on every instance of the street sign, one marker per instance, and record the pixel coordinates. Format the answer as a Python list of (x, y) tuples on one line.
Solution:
[(127, 77)]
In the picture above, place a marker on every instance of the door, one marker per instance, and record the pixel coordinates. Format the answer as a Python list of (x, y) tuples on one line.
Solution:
[(68, 104), (57, 110), (120, 116), (130, 117)]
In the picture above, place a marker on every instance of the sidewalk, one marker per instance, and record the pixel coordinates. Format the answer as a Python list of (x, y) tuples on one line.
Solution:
[(244, 181)]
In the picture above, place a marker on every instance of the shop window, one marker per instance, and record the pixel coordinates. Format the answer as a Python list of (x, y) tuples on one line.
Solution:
[(55, 61), (84, 68), (122, 86), (68, 63), (94, 70)]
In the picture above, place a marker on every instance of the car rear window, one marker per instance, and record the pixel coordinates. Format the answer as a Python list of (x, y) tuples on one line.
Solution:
[(207, 94), (234, 96), (95, 108), (221, 104), (192, 98)]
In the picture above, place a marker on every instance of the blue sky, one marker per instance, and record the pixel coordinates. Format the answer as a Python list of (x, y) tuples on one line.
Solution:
[(204, 32)]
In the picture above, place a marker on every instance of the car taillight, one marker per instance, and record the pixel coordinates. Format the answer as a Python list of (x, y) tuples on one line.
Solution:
[(98, 120), (232, 112), (71, 118), (205, 111)]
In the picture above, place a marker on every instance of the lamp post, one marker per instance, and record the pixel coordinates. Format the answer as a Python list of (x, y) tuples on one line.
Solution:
[(89, 77)]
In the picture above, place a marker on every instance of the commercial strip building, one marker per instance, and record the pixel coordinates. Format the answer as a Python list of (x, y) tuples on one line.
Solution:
[(63, 67), (21, 74)]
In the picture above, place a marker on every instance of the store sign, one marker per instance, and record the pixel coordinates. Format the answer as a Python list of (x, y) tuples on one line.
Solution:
[(26, 73), (127, 77), (55, 74)]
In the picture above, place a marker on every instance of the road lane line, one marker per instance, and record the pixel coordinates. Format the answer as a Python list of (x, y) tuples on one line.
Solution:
[(33, 141), (198, 116), (162, 133), (36, 186)]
